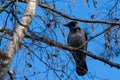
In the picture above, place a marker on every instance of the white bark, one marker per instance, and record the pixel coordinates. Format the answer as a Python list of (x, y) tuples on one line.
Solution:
[(18, 36)]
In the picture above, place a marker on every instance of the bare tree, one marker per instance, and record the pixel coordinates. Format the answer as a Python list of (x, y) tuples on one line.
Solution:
[(33, 40)]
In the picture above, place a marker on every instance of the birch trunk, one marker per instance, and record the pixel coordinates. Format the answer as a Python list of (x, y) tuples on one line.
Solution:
[(18, 36)]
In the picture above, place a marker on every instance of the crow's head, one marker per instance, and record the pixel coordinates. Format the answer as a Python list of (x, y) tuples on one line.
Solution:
[(71, 24)]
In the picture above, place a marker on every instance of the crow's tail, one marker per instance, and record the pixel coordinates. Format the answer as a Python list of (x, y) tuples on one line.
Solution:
[(81, 66)]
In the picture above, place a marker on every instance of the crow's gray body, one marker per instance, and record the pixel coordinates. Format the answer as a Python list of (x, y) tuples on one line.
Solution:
[(75, 39)]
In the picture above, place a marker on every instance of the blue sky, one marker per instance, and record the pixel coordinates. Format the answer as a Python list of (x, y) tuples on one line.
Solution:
[(97, 70)]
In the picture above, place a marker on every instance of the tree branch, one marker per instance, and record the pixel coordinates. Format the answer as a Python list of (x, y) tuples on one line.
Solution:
[(45, 6), (5, 6), (94, 37), (61, 46), (77, 19)]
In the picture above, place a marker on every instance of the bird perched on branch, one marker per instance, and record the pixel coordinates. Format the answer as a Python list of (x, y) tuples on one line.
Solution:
[(75, 39)]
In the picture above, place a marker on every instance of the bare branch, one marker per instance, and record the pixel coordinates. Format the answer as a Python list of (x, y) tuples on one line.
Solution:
[(5, 6), (60, 45), (45, 6), (77, 19), (94, 36)]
